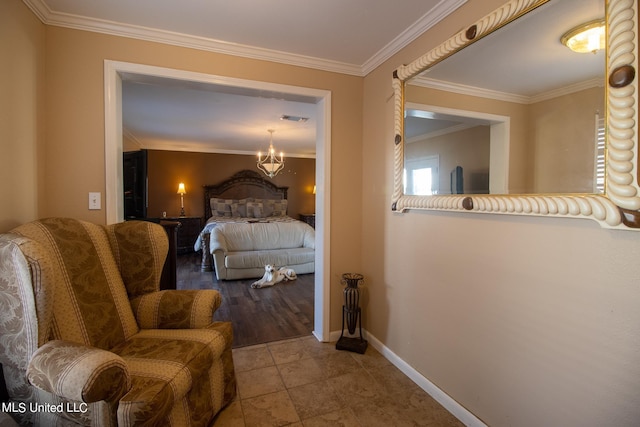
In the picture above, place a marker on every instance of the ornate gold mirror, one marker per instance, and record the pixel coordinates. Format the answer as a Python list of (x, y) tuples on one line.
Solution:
[(510, 139)]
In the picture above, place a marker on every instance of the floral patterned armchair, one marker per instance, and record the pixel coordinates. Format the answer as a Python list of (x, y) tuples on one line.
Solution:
[(87, 338)]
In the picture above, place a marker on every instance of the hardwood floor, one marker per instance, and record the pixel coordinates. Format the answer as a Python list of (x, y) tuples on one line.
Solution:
[(258, 315)]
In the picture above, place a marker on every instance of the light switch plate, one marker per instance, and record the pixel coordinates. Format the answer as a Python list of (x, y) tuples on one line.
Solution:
[(94, 201)]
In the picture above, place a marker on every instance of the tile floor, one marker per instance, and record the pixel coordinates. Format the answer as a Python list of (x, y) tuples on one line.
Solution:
[(302, 382)]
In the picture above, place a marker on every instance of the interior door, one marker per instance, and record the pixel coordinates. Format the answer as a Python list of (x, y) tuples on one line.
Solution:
[(134, 170)]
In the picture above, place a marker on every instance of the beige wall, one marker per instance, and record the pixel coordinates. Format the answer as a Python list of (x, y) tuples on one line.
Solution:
[(168, 168), (562, 136), (524, 321), (22, 44), (73, 123)]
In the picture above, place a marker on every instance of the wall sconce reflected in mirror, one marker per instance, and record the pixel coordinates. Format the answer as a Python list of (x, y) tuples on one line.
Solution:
[(314, 189), (181, 192)]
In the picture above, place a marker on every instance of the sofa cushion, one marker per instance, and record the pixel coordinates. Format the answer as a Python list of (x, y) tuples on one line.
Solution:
[(278, 257), (265, 236)]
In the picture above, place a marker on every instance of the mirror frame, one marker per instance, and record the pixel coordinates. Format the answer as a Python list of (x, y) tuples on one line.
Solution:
[(619, 206)]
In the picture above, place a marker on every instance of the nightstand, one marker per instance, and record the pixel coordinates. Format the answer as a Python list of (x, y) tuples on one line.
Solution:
[(188, 231), (309, 219)]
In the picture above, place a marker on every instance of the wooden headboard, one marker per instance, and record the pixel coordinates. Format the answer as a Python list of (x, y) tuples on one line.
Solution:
[(243, 184)]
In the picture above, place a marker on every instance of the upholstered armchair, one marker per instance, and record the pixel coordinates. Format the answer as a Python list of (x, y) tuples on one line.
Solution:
[(87, 338)]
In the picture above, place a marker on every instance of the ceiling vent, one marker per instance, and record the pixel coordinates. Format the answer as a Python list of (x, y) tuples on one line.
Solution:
[(294, 118)]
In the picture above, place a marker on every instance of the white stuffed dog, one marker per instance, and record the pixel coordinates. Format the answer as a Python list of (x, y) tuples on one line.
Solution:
[(272, 276)]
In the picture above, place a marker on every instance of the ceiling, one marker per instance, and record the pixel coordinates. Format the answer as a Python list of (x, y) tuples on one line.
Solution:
[(524, 62), (526, 59), (308, 33), (163, 113), (181, 115), (178, 115)]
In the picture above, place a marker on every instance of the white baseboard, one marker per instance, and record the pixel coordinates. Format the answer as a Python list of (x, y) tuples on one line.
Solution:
[(458, 411)]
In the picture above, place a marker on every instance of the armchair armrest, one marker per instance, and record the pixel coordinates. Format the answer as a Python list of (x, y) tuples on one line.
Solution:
[(78, 372), (176, 309)]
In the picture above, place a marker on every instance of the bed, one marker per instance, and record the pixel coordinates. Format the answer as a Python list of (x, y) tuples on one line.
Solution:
[(248, 226)]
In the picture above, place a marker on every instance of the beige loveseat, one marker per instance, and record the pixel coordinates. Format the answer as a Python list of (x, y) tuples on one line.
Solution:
[(86, 337), (241, 250)]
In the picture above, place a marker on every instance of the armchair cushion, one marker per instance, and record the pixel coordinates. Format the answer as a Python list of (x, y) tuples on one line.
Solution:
[(165, 364), (171, 309), (78, 372)]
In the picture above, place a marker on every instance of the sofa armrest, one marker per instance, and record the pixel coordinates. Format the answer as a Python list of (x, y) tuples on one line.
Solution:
[(78, 372), (176, 309), (218, 247), (309, 239), (217, 241), (218, 264)]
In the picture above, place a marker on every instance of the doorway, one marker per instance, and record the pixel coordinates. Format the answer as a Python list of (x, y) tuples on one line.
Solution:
[(115, 72)]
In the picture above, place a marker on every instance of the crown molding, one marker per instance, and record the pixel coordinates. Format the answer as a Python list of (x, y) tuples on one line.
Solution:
[(437, 133), (437, 14), (131, 138), (49, 17), (198, 147), (504, 96), (39, 8), (468, 90), (569, 89)]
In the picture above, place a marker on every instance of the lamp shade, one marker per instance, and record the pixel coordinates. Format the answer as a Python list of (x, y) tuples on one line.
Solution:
[(181, 189)]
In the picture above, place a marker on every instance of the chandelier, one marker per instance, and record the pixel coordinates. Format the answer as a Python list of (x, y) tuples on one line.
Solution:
[(271, 164)]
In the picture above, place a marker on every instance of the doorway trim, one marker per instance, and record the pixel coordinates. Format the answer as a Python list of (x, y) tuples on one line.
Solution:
[(114, 205)]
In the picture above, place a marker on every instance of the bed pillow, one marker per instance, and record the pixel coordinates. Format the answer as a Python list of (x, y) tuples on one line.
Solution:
[(267, 206), (239, 208), (272, 207), (220, 207), (279, 208), (255, 210)]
